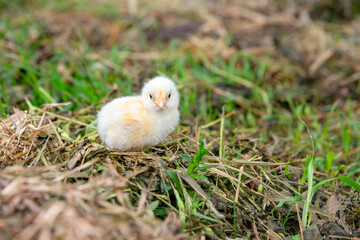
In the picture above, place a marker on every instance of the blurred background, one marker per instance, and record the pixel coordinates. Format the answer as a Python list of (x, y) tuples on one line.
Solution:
[(79, 50)]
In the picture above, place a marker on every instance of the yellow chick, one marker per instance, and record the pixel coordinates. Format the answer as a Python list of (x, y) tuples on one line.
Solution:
[(135, 123)]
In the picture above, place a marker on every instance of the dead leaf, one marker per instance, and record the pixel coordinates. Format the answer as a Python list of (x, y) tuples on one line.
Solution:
[(312, 233), (333, 205)]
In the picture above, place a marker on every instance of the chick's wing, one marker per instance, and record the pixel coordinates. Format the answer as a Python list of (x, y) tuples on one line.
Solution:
[(135, 117)]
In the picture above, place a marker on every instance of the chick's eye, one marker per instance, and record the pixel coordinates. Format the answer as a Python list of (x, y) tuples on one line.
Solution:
[(151, 96), (169, 95)]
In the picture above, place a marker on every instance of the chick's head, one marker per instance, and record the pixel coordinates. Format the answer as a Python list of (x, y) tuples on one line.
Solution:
[(160, 94)]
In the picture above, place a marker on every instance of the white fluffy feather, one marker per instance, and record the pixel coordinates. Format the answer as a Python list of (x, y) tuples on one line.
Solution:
[(134, 123)]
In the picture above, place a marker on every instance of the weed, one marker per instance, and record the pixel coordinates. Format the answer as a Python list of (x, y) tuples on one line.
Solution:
[(196, 161)]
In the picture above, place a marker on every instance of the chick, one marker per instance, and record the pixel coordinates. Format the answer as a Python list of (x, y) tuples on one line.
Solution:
[(135, 123)]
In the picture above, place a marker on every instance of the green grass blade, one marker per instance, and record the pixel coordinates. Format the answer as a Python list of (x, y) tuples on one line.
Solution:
[(288, 201), (202, 216)]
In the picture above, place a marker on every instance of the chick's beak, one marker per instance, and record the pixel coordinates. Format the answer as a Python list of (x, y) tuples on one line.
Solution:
[(160, 101)]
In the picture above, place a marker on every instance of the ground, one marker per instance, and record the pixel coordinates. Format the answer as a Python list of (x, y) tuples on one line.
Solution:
[(268, 142)]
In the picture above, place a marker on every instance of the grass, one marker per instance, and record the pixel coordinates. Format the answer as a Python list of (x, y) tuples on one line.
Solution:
[(253, 146)]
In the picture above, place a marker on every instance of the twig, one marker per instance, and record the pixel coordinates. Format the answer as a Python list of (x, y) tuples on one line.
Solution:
[(299, 221)]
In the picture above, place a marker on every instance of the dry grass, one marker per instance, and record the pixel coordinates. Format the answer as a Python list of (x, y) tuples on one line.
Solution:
[(63, 196)]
